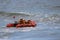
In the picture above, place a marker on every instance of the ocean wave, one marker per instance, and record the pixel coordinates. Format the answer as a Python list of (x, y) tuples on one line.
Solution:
[(16, 13), (50, 18), (38, 17)]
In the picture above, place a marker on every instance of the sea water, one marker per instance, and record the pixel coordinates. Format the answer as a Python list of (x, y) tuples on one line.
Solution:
[(45, 13)]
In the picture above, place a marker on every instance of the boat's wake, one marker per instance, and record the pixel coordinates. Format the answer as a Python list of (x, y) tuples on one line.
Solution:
[(12, 30), (7, 32)]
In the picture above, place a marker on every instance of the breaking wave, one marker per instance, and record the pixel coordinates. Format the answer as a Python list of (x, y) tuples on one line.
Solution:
[(53, 19), (49, 18), (38, 17), (15, 13)]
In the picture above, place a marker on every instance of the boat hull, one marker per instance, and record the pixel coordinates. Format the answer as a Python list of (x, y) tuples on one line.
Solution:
[(33, 24)]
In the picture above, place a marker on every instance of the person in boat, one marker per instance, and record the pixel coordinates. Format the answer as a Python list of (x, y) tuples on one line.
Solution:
[(22, 21), (29, 22), (15, 23)]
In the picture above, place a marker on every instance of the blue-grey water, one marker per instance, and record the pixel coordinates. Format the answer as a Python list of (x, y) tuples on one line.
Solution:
[(46, 14)]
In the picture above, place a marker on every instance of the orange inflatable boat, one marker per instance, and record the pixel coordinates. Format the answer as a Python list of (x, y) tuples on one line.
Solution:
[(32, 24)]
